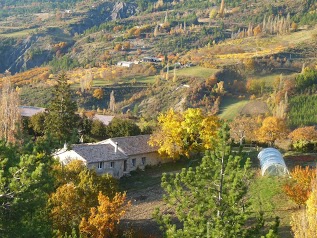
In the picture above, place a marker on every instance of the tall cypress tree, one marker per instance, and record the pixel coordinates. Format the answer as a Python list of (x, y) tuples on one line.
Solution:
[(61, 120)]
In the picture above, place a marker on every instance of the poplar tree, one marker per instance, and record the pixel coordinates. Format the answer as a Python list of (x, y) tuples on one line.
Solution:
[(222, 8), (61, 120), (210, 200), (112, 103), (10, 116)]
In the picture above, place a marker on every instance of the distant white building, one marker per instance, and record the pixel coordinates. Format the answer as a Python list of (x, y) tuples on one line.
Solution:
[(116, 156), (127, 64)]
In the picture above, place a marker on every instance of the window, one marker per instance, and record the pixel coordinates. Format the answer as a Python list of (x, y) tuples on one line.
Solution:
[(133, 162), (100, 165), (125, 166), (112, 164), (143, 160)]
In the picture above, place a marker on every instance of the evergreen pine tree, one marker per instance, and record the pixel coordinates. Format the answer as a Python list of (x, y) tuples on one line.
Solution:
[(26, 180), (61, 120), (209, 201)]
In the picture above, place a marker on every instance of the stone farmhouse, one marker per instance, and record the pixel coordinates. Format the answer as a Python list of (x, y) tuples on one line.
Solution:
[(115, 156)]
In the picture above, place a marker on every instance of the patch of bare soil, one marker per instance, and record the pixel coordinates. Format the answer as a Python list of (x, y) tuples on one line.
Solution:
[(140, 214), (145, 199), (302, 160)]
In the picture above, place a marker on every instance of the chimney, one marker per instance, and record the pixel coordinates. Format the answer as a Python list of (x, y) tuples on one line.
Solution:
[(116, 148)]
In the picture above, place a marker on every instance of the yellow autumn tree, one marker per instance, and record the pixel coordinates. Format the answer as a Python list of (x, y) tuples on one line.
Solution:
[(168, 136), (298, 188), (77, 191), (103, 220), (67, 208), (184, 133), (198, 130), (98, 93), (272, 128), (304, 222)]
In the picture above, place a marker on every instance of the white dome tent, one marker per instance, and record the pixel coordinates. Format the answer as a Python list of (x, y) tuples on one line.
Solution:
[(272, 162)]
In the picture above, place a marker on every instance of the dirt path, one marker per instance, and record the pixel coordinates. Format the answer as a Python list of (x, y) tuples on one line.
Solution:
[(145, 193), (140, 215)]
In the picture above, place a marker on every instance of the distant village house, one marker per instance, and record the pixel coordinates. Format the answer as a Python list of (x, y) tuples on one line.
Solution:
[(29, 111), (127, 64)]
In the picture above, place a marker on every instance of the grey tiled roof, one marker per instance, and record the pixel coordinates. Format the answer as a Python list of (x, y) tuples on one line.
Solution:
[(98, 152), (134, 145), (103, 118), (28, 111)]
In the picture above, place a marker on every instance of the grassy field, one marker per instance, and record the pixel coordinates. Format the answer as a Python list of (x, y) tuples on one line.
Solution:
[(269, 79), (18, 33), (230, 107), (196, 71), (266, 195)]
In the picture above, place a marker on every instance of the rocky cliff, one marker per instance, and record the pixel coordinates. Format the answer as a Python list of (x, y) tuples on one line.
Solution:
[(106, 11)]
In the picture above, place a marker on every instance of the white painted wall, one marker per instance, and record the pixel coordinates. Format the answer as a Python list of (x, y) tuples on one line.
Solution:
[(68, 156)]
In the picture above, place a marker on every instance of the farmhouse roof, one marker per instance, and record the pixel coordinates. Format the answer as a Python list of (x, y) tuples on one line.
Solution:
[(104, 119), (28, 111), (98, 152), (132, 145)]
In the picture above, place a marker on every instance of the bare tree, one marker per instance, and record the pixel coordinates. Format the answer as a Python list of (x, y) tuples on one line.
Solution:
[(10, 116), (86, 81)]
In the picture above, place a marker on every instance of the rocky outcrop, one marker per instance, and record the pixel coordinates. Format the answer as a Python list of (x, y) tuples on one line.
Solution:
[(18, 56), (106, 11)]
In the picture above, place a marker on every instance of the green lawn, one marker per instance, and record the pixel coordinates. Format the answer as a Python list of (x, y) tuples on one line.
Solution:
[(266, 195), (230, 107), (151, 176), (269, 79), (18, 33)]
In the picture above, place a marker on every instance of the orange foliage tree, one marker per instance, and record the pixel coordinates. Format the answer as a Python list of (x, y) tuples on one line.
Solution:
[(78, 189), (103, 219), (272, 128), (98, 93), (243, 128), (302, 136), (67, 208), (299, 187), (304, 222)]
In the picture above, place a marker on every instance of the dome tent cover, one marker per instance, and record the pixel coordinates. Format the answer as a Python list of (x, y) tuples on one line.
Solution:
[(272, 162)]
